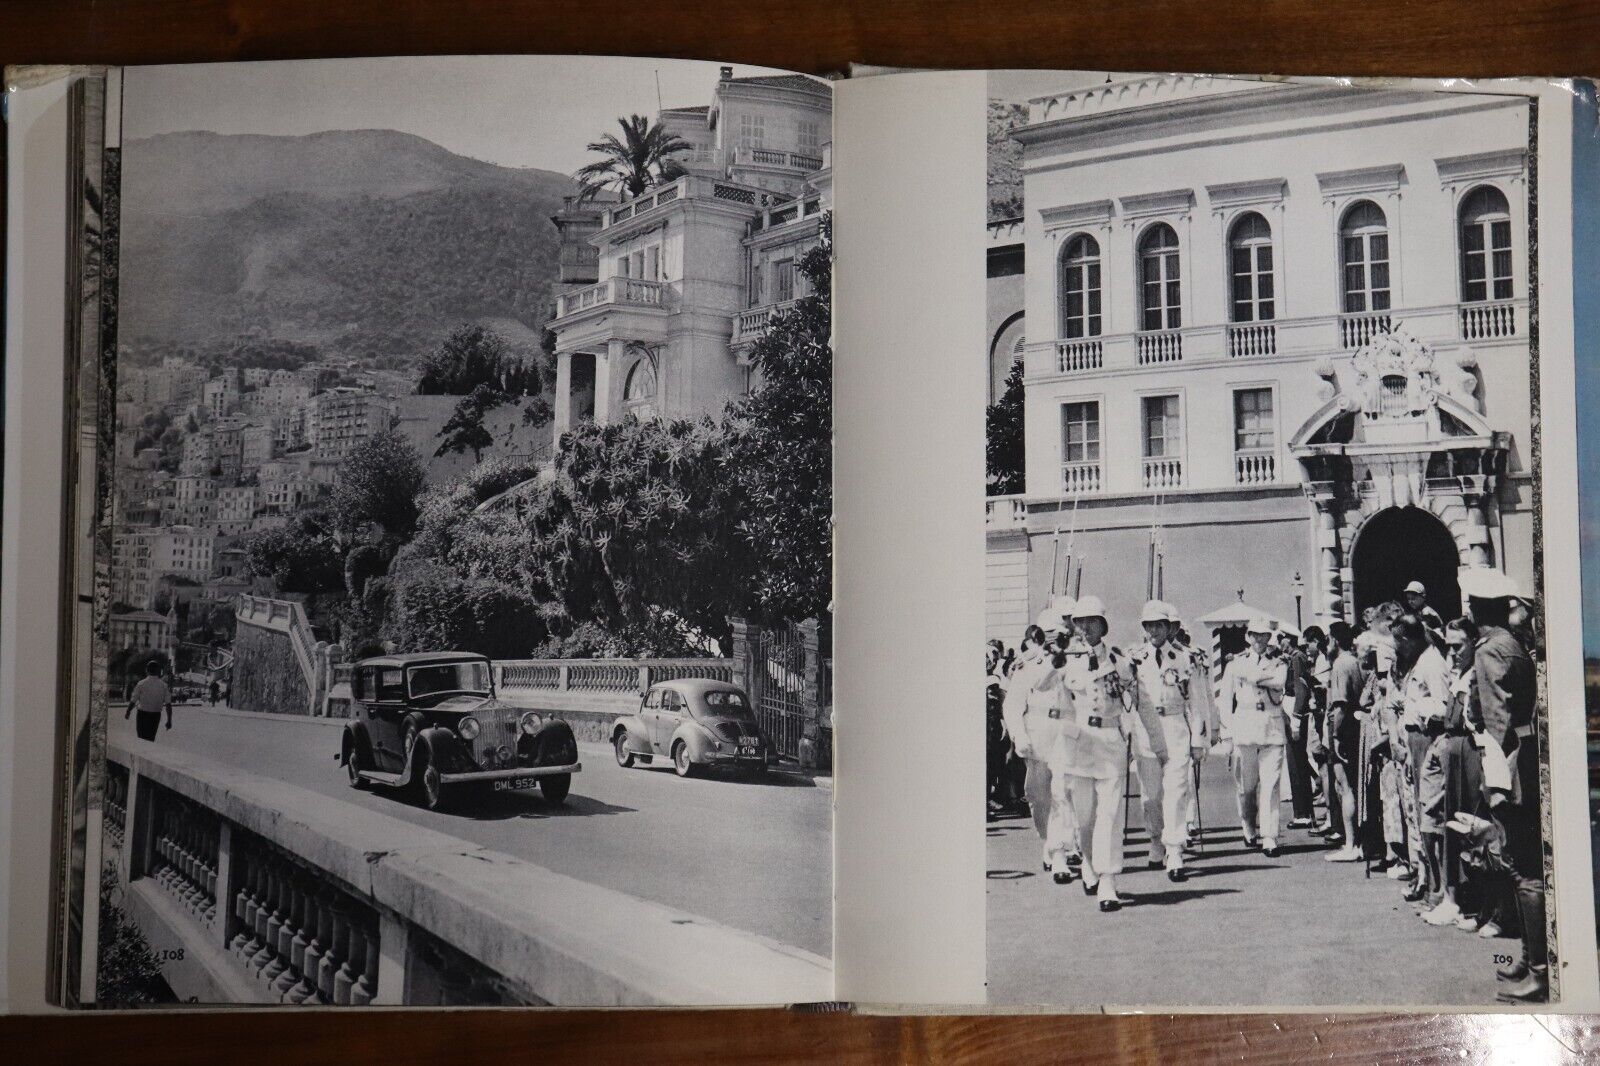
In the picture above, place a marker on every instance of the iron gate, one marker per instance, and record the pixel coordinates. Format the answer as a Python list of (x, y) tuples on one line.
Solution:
[(780, 660)]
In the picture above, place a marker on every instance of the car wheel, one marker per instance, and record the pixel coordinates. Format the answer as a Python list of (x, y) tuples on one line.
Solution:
[(620, 743), (682, 765), (430, 789), (354, 763), (555, 788)]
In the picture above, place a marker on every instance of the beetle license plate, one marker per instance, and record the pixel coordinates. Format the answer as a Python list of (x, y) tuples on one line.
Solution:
[(747, 749), (515, 784)]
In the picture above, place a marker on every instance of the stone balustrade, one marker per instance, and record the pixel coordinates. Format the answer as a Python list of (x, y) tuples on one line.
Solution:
[(1005, 512), (1256, 466), (1247, 339), (1163, 472), (270, 893), (624, 292)]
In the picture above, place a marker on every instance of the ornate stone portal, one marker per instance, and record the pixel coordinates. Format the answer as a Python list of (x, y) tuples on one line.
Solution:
[(1399, 427)]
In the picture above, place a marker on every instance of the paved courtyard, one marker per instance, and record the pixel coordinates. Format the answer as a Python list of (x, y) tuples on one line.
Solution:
[(1242, 930)]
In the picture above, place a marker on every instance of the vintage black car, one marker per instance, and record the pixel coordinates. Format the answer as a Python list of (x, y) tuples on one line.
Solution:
[(429, 722)]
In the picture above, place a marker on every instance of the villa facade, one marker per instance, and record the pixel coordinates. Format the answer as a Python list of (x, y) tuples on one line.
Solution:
[(688, 274), (1280, 333)]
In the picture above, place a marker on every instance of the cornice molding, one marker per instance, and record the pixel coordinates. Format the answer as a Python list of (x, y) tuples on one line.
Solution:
[(1234, 194), (1480, 166), (1156, 204), (1362, 181), (1089, 213)]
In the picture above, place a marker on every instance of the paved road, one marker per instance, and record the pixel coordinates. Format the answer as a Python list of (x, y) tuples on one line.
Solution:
[(1243, 930), (756, 856)]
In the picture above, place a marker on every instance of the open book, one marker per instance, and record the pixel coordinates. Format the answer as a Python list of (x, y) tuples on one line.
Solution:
[(492, 531)]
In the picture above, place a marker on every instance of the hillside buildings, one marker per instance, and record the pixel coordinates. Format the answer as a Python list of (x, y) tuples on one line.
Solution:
[(688, 274), (1280, 332)]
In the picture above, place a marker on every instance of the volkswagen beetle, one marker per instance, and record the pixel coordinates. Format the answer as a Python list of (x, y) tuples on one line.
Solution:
[(430, 722), (694, 723)]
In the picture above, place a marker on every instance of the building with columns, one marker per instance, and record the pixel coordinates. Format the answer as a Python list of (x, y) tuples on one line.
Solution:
[(1277, 349), (690, 272)]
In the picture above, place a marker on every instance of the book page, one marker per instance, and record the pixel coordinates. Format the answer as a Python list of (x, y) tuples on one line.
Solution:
[(466, 581), (1278, 574)]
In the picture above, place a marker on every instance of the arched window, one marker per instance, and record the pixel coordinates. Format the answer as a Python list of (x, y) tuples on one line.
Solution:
[(1485, 245), (1080, 287), (1158, 276), (1250, 266), (639, 392), (1364, 255)]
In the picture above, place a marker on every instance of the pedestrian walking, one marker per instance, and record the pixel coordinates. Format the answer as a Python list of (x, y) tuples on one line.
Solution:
[(1094, 755), (149, 698), (1162, 674), (1252, 719), (1036, 702)]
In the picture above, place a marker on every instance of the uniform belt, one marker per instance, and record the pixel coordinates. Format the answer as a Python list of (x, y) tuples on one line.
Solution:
[(1094, 721), (1055, 712)]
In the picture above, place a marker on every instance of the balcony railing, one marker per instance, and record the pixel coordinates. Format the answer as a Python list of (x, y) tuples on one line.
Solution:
[(1163, 347), (1252, 338), (1255, 466), (1163, 472), (769, 157), (785, 213), (690, 186), (631, 292), (1004, 512), (1080, 477), (1358, 330), (751, 324), (1488, 321), (1078, 355)]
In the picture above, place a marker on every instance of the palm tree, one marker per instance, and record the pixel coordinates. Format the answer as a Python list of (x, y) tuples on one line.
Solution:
[(641, 159)]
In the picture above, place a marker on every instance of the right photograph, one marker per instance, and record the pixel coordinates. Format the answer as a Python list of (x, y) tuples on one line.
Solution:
[(1266, 684)]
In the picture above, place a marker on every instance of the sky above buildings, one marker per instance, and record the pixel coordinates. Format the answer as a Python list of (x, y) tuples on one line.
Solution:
[(519, 111)]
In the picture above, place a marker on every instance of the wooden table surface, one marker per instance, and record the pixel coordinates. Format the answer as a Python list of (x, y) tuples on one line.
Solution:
[(1412, 37)]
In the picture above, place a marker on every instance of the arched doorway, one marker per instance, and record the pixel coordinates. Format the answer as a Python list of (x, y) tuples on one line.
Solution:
[(1401, 545)]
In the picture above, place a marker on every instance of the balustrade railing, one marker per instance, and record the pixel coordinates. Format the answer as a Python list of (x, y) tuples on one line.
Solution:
[(1358, 330), (1076, 355), (618, 676), (1255, 467), (1163, 347), (1488, 321), (751, 323), (115, 803), (1163, 472), (1251, 339), (1080, 477), (186, 845), (636, 292), (1004, 512)]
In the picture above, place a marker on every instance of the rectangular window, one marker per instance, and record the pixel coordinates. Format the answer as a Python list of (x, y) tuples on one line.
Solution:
[(1162, 432), (783, 280), (1080, 432), (652, 263), (1252, 419), (808, 139), (622, 266), (752, 131), (638, 265), (755, 282)]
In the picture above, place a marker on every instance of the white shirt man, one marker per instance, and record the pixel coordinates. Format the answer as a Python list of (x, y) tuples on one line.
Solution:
[(1092, 752), (1036, 703), (1162, 676), (1252, 718)]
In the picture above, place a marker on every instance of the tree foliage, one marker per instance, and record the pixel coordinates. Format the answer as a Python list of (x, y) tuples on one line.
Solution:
[(473, 358), (378, 484), (639, 532), (1006, 445), (301, 556), (640, 159), (434, 609), (464, 429), (783, 457)]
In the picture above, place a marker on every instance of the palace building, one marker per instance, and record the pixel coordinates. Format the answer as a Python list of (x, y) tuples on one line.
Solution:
[(1276, 353), (688, 274)]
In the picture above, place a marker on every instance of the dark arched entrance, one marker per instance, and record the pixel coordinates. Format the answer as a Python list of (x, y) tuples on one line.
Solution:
[(1402, 545)]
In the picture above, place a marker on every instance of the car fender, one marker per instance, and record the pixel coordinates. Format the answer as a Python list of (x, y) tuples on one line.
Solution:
[(638, 737), (355, 738), (555, 742), (697, 739), (446, 750)]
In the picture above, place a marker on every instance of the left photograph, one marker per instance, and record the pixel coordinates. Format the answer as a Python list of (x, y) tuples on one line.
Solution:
[(466, 554)]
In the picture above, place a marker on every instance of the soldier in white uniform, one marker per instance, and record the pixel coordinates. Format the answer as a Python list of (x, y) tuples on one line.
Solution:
[(1036, 702), (1162, 674), (1093, 752), (1252, 718)]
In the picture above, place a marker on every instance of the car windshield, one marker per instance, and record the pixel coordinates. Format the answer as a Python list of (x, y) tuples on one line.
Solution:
[(469, 676), (729, 703)]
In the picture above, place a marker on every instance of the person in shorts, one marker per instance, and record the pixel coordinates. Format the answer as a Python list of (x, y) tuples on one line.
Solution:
[(150, 697)]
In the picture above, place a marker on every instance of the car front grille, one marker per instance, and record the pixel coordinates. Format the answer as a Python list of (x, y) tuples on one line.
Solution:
[(496, 746)]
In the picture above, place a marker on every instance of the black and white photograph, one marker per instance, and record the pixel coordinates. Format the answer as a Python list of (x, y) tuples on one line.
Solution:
[(1266, 696), (466, 615)]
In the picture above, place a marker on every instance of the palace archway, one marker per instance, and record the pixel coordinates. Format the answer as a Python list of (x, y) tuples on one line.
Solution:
[(1400, 545)]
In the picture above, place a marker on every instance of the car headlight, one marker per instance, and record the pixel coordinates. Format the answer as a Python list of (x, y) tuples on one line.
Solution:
[(530, 722), (469, 728)]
